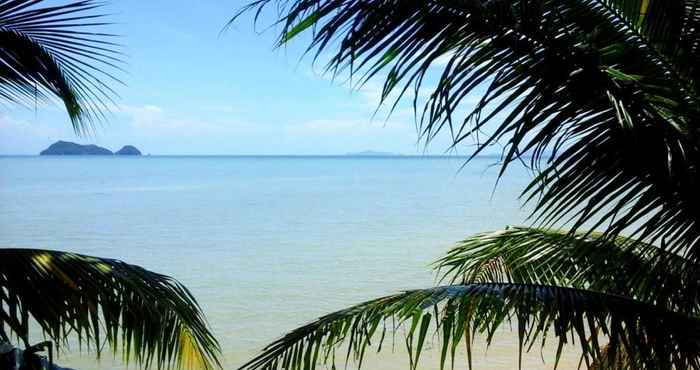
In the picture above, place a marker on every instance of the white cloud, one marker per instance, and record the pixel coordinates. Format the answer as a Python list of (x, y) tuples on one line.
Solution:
[(443, 59), (162, 130), (324, 127), (151, 119)]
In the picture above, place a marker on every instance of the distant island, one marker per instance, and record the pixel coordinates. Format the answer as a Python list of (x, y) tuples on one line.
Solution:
[(372, 153), (128, 150), (69, 148)]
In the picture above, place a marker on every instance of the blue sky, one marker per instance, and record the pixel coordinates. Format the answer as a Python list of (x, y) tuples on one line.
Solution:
[(190, 90)]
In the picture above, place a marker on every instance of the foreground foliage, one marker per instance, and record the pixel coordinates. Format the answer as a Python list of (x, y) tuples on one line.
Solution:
[(56, 51), (144, 316), (601, 99)]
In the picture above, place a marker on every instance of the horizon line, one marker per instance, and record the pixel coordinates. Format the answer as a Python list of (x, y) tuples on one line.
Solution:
[(355, 155)]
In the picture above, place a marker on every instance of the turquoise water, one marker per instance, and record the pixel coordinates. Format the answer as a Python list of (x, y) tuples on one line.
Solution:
[(264, 243)]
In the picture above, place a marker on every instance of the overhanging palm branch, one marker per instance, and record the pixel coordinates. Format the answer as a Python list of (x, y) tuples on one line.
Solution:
[(147, 317), (658, 338), (621, 266), (600, 96), (620, 362), (58, 51)]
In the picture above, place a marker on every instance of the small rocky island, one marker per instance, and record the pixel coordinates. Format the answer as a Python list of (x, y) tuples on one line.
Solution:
[(128, 150), (69, 148)]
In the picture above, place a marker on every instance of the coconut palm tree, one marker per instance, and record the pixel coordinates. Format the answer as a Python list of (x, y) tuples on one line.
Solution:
[(49, 52), (601, 100)]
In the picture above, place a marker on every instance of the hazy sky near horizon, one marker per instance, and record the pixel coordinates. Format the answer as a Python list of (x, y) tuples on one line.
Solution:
[(191, 90)]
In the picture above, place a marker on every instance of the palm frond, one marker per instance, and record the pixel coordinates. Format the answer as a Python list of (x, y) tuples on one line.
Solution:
[(658, 338), (556, 257), (58, 51), (145, 316), (598, 96), (668, 27), (620, 362)]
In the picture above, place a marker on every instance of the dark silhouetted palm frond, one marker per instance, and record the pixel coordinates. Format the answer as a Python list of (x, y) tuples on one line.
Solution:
[(57, 51), (620, 362), (600, 96), (147, 317), (621, 266), (658, 338)]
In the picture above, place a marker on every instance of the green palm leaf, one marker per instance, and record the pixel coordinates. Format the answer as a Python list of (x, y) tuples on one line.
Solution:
[(667, 27), (147, 317), (600, 97), (620, 362), (621, 266), (658, 338), (58, 51)]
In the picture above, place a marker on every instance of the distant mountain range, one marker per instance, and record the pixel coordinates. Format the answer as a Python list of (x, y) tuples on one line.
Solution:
[(69, 148), (372, 153)]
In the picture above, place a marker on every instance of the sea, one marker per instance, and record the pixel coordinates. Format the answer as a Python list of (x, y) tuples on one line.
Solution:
[(268, 243)]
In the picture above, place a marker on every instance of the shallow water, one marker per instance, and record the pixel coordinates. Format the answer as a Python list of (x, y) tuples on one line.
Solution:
[(266, 243)]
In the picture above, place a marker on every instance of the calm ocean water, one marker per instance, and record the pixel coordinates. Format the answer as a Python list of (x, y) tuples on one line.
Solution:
[(264, 243)]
